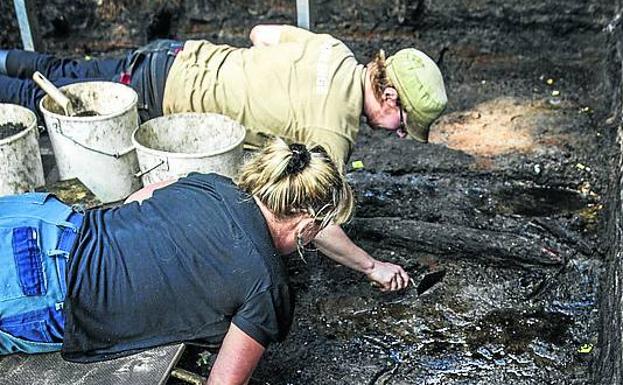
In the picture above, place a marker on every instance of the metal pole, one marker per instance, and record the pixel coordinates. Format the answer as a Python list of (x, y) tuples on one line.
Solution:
[(28, 27), (302, 13)]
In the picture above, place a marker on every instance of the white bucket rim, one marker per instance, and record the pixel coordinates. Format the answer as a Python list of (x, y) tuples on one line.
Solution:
[(24, 132), (90, 118), (183, 155)]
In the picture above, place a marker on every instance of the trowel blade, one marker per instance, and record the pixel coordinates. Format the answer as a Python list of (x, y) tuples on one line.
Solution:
[(430, 280)]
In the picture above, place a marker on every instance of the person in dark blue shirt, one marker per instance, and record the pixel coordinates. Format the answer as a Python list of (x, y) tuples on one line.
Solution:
[(199, 261)]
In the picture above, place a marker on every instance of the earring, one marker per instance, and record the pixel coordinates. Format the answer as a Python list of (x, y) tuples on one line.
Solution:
[(300, 247)]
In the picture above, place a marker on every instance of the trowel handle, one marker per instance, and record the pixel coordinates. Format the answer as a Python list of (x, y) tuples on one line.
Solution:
[(53, 92)]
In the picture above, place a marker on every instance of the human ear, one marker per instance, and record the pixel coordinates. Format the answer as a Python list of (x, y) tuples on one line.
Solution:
[(390, 96), (307, 229), (390, 93)]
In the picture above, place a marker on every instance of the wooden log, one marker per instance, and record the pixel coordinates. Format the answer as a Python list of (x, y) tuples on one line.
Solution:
[(460, 241)]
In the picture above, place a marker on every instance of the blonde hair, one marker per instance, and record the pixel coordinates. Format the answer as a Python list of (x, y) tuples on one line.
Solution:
[(294, 179), (378, 77)]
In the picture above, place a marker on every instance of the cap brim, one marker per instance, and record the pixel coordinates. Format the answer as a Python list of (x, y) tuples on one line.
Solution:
[(417, 130)]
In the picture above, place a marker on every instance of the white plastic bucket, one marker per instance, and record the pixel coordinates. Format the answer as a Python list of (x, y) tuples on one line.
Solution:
[(96, 149), (174, 145), (20, 159)]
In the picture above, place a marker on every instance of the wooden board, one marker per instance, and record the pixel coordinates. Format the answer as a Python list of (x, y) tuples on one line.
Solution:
[(150, 367)]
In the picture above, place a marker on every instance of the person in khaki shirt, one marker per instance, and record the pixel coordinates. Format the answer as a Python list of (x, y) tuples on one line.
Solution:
[(305, 87), (292, 83)]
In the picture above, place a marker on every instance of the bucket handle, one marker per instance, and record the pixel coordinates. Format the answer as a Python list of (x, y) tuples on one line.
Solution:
[(57, 128), (39, 130), (140, 174)]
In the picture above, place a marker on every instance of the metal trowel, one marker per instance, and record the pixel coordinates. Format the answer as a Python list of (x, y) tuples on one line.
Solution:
[(54, 93), (430, 280)]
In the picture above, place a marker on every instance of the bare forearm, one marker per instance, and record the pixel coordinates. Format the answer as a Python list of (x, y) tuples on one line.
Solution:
[(236, 360), (335, 244), (216, 381)]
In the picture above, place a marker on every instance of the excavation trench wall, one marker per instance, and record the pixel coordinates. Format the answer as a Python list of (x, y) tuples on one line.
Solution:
[(609, 366), (517, 197)]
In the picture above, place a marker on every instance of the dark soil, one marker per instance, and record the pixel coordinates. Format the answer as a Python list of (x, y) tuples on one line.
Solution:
[(79, 107), (510, 198), (86, 113), (10, 129)]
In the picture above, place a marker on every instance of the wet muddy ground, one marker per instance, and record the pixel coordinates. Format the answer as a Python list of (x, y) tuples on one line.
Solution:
[(509, 198)]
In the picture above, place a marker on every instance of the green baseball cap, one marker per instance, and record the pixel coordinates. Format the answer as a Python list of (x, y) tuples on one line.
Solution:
[(420, 87)]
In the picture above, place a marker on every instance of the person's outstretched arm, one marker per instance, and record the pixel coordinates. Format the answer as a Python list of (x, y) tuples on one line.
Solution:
[(236, 360), (334, 243)]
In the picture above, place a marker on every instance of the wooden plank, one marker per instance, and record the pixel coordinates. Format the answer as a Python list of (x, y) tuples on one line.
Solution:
[(28, 26), (146, 368)]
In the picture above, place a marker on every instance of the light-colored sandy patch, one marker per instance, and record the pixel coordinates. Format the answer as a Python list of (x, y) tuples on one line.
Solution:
[(496, 127)]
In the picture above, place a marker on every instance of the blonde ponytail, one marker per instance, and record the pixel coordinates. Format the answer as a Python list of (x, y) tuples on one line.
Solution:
[(294, 179)]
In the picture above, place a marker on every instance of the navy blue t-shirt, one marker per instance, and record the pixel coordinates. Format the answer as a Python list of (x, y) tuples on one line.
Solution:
[(178, 267)]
